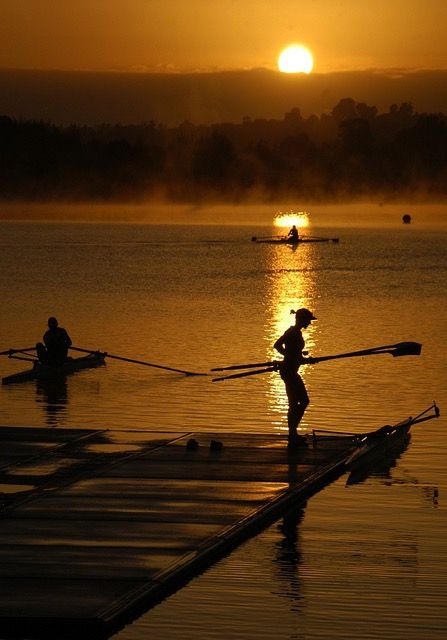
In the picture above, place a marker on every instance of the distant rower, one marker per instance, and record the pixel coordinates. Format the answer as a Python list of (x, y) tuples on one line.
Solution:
[(56, 342), (293, 234)]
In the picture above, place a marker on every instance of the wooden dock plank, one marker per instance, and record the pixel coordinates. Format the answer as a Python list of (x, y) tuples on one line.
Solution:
[(212, 470), (77, 562), (174, 510), (151, 488), (28, 600), (127, 533), (117, 519)]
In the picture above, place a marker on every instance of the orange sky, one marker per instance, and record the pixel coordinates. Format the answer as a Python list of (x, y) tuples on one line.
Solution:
[(203, 35)]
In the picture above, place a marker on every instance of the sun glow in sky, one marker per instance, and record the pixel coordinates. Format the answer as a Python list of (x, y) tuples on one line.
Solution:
[(295, 59), (289, 218), (172, 36)]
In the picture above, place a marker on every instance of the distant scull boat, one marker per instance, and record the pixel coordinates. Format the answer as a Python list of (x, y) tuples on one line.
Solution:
[(290, 241)]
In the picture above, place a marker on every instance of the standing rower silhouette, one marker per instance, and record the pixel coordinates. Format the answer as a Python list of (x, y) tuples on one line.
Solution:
[(291, 345)]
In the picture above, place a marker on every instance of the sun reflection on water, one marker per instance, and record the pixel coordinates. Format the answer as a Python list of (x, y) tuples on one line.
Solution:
[(291, 286)]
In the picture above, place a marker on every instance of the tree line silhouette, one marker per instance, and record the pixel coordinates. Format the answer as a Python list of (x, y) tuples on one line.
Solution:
[(352, 152)]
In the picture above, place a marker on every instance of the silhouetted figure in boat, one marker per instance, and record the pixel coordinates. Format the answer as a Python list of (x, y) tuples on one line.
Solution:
[(56, 342), (293, 234), (291, 345)]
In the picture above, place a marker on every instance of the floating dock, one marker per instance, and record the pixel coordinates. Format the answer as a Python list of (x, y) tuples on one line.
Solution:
[(97, 526)]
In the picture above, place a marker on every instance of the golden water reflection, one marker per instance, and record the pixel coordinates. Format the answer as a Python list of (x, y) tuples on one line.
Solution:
[(291, 284)]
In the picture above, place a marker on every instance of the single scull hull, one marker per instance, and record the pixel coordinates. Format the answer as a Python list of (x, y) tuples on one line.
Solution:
[(293, 243), (46, 372)]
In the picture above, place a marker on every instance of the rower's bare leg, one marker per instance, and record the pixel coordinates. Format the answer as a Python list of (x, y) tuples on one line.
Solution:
[(294, 416)]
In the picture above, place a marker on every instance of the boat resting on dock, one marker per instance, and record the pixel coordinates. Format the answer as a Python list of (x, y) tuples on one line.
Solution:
[(374, 445), (41, 371)]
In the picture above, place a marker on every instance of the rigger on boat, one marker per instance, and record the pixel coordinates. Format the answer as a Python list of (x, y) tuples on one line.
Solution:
[(373, 445)]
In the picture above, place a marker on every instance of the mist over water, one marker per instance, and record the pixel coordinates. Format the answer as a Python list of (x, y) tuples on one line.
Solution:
[(363, 561), (370, 214)]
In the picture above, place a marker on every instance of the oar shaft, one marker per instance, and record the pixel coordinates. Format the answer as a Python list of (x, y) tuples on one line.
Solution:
[(244, 366), (244, 374), (11, 351), (142, 362), (354, 354), (14, 357)]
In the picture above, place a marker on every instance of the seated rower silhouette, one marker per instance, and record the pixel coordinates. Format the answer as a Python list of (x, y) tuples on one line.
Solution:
[(293, 234), (56, 341)]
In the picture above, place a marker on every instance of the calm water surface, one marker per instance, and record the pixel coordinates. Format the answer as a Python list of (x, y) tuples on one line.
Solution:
[(363, 560)]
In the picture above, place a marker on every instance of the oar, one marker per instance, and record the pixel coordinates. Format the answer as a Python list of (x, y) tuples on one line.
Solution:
[(396, 350), (244, 374), (9, 352), (245, 366), (13, 357), (271, 363), (255, 238), (147, 364), (320, 238)]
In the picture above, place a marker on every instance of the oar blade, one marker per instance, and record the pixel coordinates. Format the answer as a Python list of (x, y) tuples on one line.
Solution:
[(407, 349)]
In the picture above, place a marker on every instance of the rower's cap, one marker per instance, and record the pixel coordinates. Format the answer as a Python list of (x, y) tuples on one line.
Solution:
[(305, 314)]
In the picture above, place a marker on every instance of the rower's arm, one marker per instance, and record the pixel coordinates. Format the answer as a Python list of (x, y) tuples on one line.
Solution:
[(279, 346)]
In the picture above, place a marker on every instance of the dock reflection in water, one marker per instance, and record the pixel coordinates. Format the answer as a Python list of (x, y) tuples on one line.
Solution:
[(288, 555), (380, 465)]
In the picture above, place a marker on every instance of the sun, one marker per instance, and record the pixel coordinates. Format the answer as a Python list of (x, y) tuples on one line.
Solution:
[(295, 59), (288, 218)]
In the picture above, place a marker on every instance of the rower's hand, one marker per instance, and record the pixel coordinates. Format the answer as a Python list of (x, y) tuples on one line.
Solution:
[(308, 360)]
